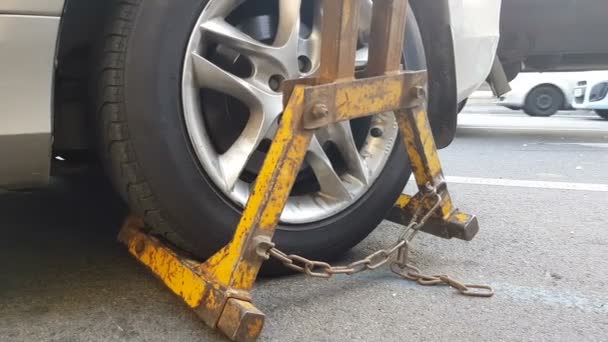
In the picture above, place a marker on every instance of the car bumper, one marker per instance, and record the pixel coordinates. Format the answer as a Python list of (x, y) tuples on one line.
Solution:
[(591, 96)]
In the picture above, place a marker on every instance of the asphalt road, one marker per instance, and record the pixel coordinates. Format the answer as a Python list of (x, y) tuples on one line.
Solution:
[(543, 246)]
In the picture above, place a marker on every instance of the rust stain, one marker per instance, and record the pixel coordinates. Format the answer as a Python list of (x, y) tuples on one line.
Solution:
[(167, 266), (254, 328), (245, 276)]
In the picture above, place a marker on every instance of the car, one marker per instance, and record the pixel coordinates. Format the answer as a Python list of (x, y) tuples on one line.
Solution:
[(179, 100), (591, 94), (541, 94)]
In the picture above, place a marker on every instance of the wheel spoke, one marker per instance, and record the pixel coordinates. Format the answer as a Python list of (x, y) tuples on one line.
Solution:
[(285, 45), (331, 184), (234, 161), (230, 36), (289, 24), (342, 135), (264, 108), (210, 76)]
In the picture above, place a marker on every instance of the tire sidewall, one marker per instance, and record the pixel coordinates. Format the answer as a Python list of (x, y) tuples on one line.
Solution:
[(531, 107), (197, 211), (603, 113)]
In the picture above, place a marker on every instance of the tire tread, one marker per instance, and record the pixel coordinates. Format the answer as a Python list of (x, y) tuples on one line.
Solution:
[(531, 109), (115, 147)]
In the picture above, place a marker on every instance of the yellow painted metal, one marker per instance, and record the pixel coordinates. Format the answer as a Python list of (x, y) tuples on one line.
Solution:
[(212, 288), (456, 225), (241, 321), (232, 266), (218, 289), (461, 217), (373, 97), (166, 265), (348, 100), (403, 201), (339, 43), (424, 159), (420, 145), (387, 34)]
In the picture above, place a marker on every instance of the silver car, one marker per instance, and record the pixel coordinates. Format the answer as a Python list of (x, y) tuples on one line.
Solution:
[(179, 99)]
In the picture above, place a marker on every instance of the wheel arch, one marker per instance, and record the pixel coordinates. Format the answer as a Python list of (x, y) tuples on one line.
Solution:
[(81, 27), (434, 20)]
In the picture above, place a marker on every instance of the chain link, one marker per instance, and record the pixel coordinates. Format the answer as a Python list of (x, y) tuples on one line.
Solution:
[(397, 253)]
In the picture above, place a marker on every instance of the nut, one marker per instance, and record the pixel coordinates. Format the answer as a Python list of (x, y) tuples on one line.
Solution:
[(140, 247), (419, 92)]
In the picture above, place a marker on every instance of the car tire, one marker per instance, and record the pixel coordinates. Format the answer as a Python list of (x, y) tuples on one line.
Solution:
[(603, 113), (148, 155), (544, 100)]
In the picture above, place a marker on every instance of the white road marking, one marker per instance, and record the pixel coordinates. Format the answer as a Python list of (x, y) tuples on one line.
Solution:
[(599, 145), (514, 128), (525, 123), (528, 184)]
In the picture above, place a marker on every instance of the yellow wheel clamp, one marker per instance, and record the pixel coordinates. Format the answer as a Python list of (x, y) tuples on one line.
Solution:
[(219, 288)]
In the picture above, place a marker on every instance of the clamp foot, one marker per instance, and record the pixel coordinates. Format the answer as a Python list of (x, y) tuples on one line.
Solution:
[(457, 225), (241, 321)]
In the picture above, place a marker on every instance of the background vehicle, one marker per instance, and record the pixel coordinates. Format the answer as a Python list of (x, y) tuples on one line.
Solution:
[(553, 35), (591, 93), (180, 98), (541, 94)]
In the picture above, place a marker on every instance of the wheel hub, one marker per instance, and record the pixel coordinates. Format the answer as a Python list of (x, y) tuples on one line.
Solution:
[(544, 101)]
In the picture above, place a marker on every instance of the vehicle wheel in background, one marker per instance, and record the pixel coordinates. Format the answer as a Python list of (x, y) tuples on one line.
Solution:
[(602, 113), (188, 99), (544, 100)]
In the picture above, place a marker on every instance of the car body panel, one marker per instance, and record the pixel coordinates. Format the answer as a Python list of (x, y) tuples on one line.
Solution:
[(581, 94), (27, 55), (476, 33), (525, 82), (32, 7)]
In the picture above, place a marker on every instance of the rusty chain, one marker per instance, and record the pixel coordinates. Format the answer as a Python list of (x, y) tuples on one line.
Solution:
[(398, 253)]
